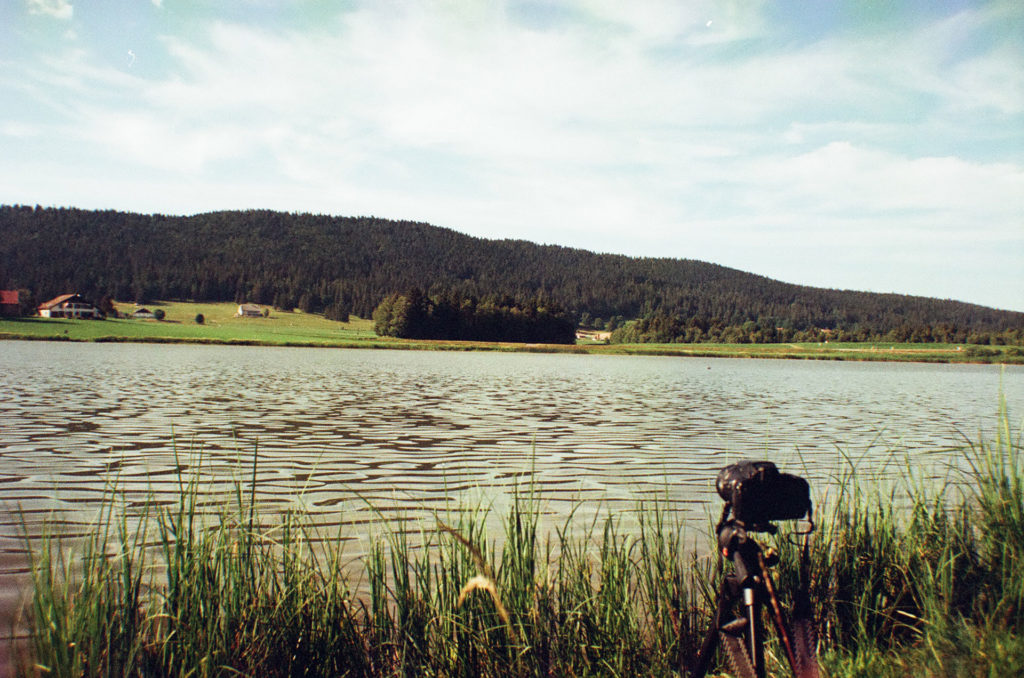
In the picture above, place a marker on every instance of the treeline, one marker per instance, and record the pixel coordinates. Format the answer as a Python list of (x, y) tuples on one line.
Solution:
[(343, 265), (414, 315), (662, 328)]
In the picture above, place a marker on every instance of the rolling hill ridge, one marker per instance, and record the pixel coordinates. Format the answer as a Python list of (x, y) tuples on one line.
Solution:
[(349, 264)]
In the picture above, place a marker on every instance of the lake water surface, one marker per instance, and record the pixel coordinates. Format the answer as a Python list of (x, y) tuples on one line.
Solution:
[(360, 436)]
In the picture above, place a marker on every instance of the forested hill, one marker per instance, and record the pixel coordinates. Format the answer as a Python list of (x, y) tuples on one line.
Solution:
[(350, 264)]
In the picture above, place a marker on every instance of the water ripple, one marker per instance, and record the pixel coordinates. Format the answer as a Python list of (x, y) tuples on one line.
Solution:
[(410, 433)]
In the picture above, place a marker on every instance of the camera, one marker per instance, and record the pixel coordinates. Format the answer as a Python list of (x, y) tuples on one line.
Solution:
[(758, 494)]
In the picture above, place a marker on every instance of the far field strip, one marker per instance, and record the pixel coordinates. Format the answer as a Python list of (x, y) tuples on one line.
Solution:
[(219, 324)]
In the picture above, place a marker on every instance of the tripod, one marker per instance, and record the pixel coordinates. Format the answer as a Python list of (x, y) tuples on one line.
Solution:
[(750, 583)]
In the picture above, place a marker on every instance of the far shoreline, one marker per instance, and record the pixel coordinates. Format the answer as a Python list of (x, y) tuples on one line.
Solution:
[(846, 352), (224, 324)]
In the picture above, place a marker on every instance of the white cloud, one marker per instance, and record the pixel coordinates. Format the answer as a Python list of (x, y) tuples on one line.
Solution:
[(58, 9), (20, 130), (503, 94), (841, 178), (617, 130), (656, 22)]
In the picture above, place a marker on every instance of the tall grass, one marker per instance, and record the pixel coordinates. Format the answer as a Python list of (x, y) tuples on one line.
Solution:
[(924, 581), (930, 587)]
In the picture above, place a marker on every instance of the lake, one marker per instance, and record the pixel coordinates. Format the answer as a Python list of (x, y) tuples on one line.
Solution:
[(368, 436)]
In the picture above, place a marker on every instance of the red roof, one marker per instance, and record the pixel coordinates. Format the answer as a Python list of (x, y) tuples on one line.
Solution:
[(57, 300), (8, 297)]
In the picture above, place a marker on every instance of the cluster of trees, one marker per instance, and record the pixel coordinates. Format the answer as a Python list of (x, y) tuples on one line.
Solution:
[(663, 328), (587, 321), (343, 265), (414, 315)]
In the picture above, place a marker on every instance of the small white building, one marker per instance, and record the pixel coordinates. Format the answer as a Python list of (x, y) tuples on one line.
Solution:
[(143, 313), (249, 311)]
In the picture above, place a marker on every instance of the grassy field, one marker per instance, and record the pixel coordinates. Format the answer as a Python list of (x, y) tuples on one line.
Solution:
[(932, 585), (302, 329), (219, 326)]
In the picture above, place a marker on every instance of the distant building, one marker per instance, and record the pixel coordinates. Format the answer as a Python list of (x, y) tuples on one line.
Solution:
[(69, 306), (10, 304), (143, 313), (591, 335), (249, 311)]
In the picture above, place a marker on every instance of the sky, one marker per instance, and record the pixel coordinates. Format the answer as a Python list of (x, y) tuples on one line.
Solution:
[(869, 145)]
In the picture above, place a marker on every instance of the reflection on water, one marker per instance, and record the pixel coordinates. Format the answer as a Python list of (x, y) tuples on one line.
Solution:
[(340, 430)]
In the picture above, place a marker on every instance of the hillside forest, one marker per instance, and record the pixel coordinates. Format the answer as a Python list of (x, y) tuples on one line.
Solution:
[(460, 286)]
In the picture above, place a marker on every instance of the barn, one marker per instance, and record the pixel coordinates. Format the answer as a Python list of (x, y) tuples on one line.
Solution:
[(10, 303), (69, 306)]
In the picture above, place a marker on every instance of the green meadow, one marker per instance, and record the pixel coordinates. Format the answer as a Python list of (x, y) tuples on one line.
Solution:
[(295, 328), (909, 580), (220, 325)]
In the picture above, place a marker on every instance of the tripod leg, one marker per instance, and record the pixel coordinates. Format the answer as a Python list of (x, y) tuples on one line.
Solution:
[(739, 660), (707, 651), (707, 648), (805, 640), (800, 642), (777, 618), (755, 631)]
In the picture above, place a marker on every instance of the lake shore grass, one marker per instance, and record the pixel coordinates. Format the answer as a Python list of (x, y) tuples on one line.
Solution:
[(298, 329), (911, 580)]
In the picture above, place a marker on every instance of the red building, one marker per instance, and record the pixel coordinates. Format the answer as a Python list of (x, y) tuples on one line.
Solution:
[(10, 305)]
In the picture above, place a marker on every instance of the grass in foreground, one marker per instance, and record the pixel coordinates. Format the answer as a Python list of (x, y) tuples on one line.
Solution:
[(935, 589)]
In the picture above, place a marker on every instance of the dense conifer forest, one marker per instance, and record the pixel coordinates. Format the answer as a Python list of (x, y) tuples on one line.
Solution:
[(414, 315), (343, 265)]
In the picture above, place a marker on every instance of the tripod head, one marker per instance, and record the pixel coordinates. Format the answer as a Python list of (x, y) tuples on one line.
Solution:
[(737, 545)]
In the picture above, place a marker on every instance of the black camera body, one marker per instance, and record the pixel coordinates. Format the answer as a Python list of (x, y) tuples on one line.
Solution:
[(758, 494)]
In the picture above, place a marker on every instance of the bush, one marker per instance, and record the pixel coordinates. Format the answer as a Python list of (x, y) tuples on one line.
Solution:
[(200, 319), (338, 312), (159, 314)]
